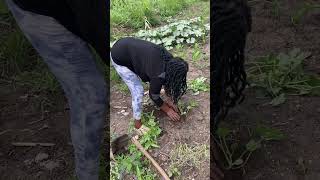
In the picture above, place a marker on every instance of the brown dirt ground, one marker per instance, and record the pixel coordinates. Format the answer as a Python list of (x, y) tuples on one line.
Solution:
[(20, 115), (298, 118), (194, 130)]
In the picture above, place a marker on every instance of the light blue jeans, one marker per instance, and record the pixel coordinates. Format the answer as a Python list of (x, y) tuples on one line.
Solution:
[(134, 84), (71, 61)]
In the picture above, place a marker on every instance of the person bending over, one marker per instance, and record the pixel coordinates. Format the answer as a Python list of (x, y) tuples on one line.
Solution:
[(137, 60)]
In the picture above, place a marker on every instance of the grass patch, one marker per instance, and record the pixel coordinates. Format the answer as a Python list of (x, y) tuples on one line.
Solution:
[(142, 13), (186, 156), (21, 65)]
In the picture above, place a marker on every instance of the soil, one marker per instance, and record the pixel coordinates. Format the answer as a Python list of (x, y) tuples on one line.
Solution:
[(298, 156), (193, 130), (26, 117)]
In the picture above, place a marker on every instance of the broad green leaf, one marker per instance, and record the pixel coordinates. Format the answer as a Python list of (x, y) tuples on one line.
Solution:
[(269, 133), (238, 162), (223, 132), (278, 100), (253, 145)]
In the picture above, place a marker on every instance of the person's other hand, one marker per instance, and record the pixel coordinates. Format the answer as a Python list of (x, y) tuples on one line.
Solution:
[(137, 124)]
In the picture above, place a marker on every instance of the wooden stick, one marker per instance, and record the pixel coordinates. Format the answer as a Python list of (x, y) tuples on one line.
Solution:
[(32, 144), (5, 131), (34, 122), (156, 165)]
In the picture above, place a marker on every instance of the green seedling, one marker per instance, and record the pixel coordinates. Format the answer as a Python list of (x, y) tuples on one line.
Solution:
[(196, 54), (185, 107), (283, 74), (236, 156), (199, 85)]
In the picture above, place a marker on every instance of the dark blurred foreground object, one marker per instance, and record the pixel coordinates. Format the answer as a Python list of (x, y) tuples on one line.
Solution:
[(85, 18), (231, 22)]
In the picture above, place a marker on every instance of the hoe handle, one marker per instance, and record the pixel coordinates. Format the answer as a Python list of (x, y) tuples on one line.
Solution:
[(155, 164)]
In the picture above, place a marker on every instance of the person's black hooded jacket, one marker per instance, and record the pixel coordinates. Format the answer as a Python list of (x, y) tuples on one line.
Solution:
[(88, 19)]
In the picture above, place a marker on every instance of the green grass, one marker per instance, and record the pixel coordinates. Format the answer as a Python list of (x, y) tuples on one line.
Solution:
[(137, 13)]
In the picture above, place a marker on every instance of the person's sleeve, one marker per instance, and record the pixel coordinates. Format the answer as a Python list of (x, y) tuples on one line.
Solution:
[(154, 91)]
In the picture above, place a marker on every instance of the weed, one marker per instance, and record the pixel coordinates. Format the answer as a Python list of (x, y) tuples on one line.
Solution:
[(185, 155), (275, 8), (132, 162), (25, 67), (185, 107), (114, 76), (196, 54), (307, 7), (180, 51), (283, 74), (236, 156), (5, 17), (198, 84), (41, 80), (12, 61)]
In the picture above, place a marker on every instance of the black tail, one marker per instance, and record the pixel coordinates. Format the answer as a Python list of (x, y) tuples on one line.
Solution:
[(231, 24)]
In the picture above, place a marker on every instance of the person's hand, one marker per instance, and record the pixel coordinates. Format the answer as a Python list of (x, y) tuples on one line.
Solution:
[(137, 124), (173, 106), (173, 115)]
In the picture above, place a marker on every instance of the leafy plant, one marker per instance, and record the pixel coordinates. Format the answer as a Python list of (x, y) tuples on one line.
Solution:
[(185, 107), (283, 74), (132, 163), (198, 84), (236, 156), (179, 32), (307, 7)]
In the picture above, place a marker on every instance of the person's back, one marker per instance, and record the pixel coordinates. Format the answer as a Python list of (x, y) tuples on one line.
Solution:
[(142, 57)]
